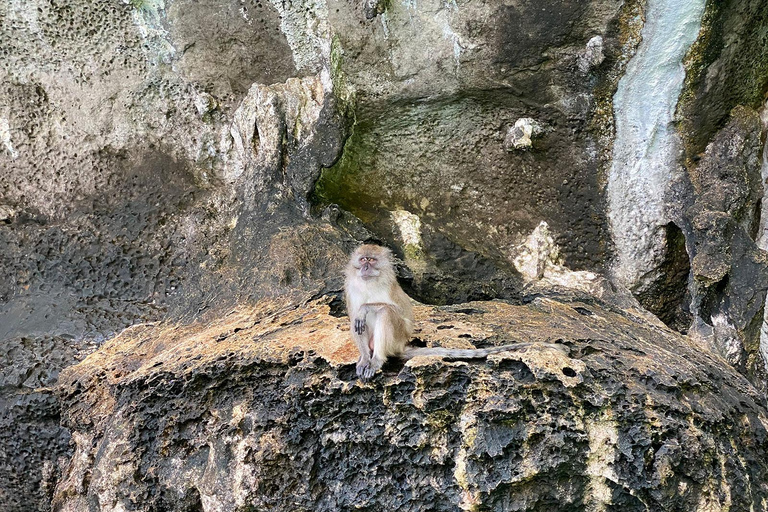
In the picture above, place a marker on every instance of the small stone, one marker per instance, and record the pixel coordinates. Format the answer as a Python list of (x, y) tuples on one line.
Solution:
[(521, 134), (6, 213), (205, 103), (592, 56)]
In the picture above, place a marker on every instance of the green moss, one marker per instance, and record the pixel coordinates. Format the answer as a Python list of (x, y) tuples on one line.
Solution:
[(346, 184), (413, 253), (627, 30), (440, 420), (735, 35), (343, 92), (145, 5)]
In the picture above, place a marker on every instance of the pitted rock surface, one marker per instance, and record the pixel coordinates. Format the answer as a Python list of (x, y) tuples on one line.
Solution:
[(261, 410), (165, 162)]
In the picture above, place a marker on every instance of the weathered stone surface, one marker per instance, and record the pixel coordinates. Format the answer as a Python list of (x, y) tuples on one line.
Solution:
[(439, 85), (261, 410), (227, 45), (158, 162), (726, 67), (124, 195), (730, 272), (35, 448)]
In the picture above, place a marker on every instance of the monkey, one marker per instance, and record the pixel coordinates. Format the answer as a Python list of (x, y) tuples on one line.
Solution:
[(381, 315)]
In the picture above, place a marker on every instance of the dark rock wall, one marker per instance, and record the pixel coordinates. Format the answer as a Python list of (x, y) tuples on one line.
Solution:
[(730, 272), (728, 66), (430, 127), (724, 141)]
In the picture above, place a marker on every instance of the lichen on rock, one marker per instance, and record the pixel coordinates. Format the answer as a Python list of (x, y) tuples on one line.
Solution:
[(261, 409)]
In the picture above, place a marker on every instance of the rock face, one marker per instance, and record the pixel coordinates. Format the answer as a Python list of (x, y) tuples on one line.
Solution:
[(431, 130), (167, 162), (231, 416), (727, 282)]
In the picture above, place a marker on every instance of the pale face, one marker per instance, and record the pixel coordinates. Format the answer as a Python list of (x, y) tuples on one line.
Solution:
[(368, 260)]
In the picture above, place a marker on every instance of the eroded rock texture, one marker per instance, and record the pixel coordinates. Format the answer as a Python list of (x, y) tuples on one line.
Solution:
[(440, 85), (261, 411), (168, 162), (730, 272)]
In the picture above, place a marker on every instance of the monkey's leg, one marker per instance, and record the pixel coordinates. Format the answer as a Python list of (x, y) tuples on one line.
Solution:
[(387, 326), (362, 341), (361, 333)]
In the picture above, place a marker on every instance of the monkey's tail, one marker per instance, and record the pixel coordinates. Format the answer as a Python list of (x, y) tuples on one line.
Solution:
[(474, 353)]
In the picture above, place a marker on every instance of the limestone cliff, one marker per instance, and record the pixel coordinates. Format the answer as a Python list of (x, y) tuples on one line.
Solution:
[(180, 183)]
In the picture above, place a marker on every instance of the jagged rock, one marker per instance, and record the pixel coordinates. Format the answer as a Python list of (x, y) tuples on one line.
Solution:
[(592, 56), (163, 161), (520, 135), (730, 272), (261, 410), (124, 197)]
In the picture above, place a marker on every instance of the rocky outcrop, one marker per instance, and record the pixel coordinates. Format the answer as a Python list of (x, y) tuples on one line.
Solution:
[(431, 130), (261, 409), (730, 272), (167, 162)]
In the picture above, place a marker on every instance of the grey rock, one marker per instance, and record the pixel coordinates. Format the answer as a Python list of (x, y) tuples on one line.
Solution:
[(730, 272), (520, 135), (593, 55), (429, 136), (262, 410), (167, 166)]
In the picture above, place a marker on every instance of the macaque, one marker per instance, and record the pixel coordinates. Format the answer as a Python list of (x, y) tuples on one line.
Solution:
[(381, 315)]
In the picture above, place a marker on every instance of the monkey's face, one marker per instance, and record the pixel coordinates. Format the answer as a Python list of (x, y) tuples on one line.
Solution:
[(368, 266), (369, 260)]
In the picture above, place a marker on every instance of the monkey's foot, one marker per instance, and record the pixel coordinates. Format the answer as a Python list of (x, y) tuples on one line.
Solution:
[(367, 372), (362, 366)]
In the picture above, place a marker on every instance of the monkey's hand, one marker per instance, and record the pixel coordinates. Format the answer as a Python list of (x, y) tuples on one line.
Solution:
[(360, 325)]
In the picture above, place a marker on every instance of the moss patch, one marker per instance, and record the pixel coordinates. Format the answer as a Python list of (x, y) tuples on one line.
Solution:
[(725, 67)]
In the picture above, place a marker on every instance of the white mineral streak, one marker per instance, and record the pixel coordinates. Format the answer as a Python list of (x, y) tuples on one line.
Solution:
[(149, 18), (445, 16), (603, 450), (762, 240), (470, 499), (5, 138), (646, 149), (409, 226), (305, 26)]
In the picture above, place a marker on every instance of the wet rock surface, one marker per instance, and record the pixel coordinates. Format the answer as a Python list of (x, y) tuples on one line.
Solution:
[(261, 410)]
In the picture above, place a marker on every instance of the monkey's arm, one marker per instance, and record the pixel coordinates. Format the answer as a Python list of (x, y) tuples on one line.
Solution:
[(359, 322)]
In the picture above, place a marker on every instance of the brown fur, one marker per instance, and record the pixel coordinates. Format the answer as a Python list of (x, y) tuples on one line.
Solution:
[(380, 313)]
